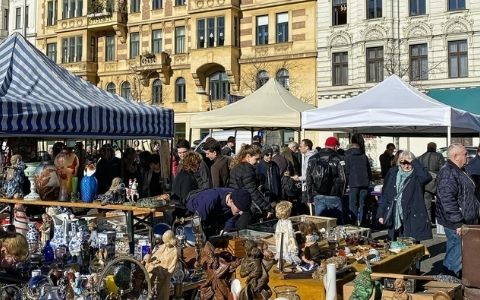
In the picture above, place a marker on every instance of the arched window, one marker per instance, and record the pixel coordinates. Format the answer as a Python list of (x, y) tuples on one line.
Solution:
[(180, 90), (283, 79), (126, 91), (157, 92), (262, 78), (219, 86), (111, 88)]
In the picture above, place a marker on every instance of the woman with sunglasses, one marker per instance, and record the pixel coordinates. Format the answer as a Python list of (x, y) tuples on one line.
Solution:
[(403, 209), (268, 175)]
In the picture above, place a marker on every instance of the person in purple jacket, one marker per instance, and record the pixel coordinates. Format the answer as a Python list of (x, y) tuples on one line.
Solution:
[(220, 208)]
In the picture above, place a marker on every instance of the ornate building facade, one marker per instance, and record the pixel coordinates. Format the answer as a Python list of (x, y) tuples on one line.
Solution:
[(431, 44), (20, 15), (190, 56)]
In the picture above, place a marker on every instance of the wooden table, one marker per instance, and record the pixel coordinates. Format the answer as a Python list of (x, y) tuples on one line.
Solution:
[(132, 212), (312, 289)]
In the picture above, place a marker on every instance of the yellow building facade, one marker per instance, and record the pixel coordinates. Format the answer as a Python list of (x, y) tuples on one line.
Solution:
[(189, 56)]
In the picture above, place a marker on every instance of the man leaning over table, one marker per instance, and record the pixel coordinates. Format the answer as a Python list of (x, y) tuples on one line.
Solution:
[(456, 205)]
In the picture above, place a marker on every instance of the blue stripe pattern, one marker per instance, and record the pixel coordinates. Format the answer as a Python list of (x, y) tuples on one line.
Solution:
[(40, 98)]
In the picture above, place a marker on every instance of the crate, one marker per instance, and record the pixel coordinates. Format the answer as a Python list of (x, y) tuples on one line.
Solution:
[(320, 222)]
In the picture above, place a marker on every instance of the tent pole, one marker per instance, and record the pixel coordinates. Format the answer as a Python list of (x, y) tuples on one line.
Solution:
[(301, 135), (449, 135)]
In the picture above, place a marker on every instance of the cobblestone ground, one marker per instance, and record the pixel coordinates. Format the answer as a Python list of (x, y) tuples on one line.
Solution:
[(431, 265)]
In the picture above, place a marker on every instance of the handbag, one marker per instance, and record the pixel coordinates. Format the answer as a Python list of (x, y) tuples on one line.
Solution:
[(388, 220)]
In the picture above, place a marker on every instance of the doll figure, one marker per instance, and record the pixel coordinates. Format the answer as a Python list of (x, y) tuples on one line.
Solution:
[(45, 229), (161, 265), (285, 241), (67, 164), (93, 239), (14, 178)]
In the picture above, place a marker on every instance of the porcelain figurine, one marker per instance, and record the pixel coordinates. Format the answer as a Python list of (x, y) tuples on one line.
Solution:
[(93, 238), (67, 166), (75, 247), (89, 184), (46, 228), (285, 241), (15, 177), (33, 238)]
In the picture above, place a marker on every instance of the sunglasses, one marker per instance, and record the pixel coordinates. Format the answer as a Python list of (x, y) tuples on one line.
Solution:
[(268, 154), (404, 162)]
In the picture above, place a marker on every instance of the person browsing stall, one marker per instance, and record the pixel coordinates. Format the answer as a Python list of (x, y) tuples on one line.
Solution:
[(220, 208)]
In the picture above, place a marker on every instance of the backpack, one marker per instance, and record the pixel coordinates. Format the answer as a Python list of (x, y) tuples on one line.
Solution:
[(323, 176)]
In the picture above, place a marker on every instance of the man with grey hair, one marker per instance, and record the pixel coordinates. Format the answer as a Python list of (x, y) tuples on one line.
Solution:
[(456, 205), (280, 160), (291, 154), (433, 161)]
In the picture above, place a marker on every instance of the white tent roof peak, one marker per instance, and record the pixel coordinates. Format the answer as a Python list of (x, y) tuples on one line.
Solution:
[(271, 106)]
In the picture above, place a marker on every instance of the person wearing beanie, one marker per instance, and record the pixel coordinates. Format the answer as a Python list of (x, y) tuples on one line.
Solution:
[(268, 176), (220, 209), (326, 180)]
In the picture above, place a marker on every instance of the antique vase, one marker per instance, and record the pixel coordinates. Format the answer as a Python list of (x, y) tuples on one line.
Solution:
[(88, 188), (46, 181), (33, 238)]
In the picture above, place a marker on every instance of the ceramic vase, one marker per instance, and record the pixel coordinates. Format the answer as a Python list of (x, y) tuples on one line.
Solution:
[(30, 173), (88, 188), (58, 235), (48, 253), (33, 238), (46, 181), (67, 166)]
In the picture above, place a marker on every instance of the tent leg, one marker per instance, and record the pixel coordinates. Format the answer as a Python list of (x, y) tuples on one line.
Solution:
[(449, 135)]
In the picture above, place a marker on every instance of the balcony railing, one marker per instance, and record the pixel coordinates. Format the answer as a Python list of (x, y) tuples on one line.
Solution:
[(105, 8)]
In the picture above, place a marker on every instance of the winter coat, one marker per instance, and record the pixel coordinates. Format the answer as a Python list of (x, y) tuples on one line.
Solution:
[(385, 163), (415, 219), (243, 176), (268, 176), (282, 163), (220, 171), (183, 184), (325, 174), (456, 201), (432, 160), (357, 168)]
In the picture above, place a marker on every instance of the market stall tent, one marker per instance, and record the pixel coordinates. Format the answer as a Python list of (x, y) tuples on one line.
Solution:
[(392, 107), (40, 98), (271, 106)]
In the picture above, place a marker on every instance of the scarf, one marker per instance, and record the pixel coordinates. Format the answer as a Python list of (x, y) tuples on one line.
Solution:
[(400, 183)]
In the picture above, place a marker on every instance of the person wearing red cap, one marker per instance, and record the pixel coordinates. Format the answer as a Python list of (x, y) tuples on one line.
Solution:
[(326, 180)]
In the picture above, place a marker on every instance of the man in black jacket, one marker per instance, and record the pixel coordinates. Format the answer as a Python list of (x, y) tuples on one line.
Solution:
[(456, 205), (326, 180), (386, 159)]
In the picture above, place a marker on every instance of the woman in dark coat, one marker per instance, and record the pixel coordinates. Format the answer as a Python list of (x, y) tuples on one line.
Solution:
[(185, 182), (268, 176), (403, 210)]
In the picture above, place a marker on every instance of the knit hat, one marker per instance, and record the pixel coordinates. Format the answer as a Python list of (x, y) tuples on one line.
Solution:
[(242, 200), (267, 150), (332, 142)]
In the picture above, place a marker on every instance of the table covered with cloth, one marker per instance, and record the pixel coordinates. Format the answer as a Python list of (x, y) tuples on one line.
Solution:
[(312, 289)]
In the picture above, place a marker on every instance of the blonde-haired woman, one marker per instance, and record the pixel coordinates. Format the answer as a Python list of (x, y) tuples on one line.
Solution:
[(243, 176), (403, 209)]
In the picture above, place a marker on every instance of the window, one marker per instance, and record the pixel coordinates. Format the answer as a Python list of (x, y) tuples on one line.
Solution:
[(340, 68), (219, 86), (457, 59), (374, 9), (283, 78), (157, 4), (51, 13), (157, 41), (456, 4), (18, 18), (180, 90), (282, 28), (211, 30), (262, 78), (26, 16), (419, 62), (5, 19), (52, 51), (157, 92), (134, 44), (134, 6), (339, 12), (236, 31), (72, 8), (126, 91), (180, 2), (72, 49), (180, 39), (111, 88), (262, 30), (110, 48), (417, 7), (375, 64)]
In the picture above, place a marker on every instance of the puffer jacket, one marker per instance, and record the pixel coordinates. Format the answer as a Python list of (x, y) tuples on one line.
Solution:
[(325, 181), (243, 176), (456, 201), (357, 168)]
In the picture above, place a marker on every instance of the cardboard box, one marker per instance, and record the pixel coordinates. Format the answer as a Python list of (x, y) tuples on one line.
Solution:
[(453, 290)]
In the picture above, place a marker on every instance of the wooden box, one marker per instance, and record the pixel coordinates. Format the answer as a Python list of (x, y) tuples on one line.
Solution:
[(453, 290), (320, 222), (236, 246)]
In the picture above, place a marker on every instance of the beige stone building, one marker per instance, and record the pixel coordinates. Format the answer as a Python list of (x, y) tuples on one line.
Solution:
[(190, 56)]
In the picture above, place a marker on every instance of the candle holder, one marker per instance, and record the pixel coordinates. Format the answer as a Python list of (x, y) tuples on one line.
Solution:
[(30, 173)]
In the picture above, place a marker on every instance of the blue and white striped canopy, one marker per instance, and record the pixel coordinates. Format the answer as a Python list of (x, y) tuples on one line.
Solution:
[(40, 98)]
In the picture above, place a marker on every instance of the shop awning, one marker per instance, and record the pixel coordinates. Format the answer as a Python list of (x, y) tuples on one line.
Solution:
[(467, 99)]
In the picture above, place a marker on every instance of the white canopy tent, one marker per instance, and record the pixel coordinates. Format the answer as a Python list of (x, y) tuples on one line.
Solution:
[(271, 106), (392, 107)]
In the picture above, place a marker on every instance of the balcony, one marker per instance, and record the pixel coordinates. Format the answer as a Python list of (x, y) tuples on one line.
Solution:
[(148, 64), (81, 68), (107, 14)]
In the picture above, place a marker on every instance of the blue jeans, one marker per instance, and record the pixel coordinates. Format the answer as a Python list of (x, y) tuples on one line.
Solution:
[(453, 255), (358, 197), (329, 206)]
